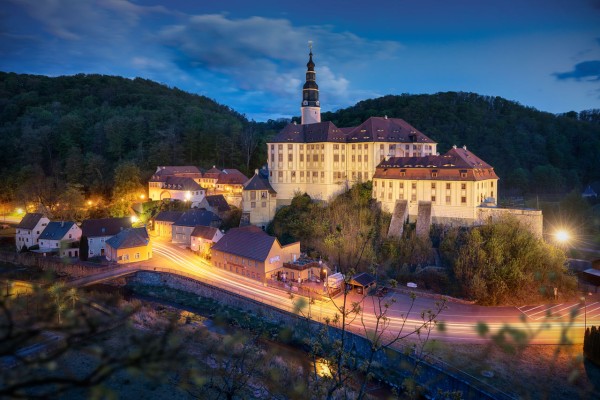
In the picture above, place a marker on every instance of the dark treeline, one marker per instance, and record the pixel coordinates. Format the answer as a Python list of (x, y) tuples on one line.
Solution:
[(533, 152), (78, 129)]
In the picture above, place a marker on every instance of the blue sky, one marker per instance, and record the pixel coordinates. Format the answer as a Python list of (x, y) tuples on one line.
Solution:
[(251, 55)]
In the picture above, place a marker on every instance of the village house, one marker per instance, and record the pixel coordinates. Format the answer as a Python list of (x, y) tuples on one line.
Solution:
[(98, 231), (203, 238), (184, 226), (180, 183), (164, 221), (217, 204), (258, 201), (250, 252), (60, 237), (129, 245), (29, 229)]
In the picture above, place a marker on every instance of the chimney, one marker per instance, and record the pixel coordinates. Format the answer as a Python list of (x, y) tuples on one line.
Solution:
[(385, 117), (464, 147)]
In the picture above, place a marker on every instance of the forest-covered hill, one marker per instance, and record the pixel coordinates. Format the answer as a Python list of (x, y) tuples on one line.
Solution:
[(78, 129), (532, 151)]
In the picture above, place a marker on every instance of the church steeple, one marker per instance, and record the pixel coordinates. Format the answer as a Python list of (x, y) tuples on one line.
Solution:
[(311, 108)]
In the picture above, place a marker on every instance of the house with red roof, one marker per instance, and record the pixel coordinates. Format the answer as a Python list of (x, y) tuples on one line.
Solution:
[(203, 238)]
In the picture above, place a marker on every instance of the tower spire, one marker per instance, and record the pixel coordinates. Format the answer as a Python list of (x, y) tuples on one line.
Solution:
[(311, 108)]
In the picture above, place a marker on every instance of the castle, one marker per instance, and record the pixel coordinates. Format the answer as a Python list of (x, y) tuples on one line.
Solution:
[(409, 176)]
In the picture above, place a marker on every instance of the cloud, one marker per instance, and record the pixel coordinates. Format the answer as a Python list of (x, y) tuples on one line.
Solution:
[(266, 54), (588, 70)]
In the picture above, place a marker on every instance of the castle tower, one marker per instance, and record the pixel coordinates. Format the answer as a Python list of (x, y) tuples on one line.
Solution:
[(311, 109)]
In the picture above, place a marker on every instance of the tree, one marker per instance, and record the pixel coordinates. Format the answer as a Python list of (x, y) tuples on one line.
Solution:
[(504, 263), (126, 190), (84, 248), (40, 331)]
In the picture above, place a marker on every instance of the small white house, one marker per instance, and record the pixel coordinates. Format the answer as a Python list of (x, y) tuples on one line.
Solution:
[(60, 237), (29, 230)]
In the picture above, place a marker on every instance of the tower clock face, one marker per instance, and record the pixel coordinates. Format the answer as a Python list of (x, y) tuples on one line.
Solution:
[(305, 103)]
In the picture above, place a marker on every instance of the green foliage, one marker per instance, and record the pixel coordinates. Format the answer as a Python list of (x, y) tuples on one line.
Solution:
[(503, 263), (526, 147), (347, 231), (77, 129)]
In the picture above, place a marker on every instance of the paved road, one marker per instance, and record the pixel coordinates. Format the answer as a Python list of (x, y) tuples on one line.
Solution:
[(547, 324)]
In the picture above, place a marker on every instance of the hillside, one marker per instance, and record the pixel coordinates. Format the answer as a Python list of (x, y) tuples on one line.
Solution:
[(532, 151), (77, 129)]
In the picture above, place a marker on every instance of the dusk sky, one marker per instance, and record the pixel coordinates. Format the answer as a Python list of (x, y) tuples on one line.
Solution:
[(251, 55)]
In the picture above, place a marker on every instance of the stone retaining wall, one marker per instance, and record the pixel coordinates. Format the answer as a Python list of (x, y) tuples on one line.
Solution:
[(392, 364)]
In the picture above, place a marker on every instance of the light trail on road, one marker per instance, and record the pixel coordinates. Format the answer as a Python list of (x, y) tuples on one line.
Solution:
[(460, 321)]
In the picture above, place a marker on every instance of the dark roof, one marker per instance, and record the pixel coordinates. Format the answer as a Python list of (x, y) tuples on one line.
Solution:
[(197, 217), (374, 129), (257, 182), (457, 164), (218, 202), (589, 192), (205, 232), (162, 173), (30, 220), (212, 173), (181, 183), (232, 177), (129, 238), (248, 242), (104, 226), (168, 216), (56, 230), (363, 279)]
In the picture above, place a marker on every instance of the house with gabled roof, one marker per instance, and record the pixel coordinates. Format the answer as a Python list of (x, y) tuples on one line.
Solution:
[(176, 183), (203, 238), (29, 229), (184, 226), (164, 221), (60, 237), (259, 201), (251, 252), (454, 184), (97, 231), (129, 245)]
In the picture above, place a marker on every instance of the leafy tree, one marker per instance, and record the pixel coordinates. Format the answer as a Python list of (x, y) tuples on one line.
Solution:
[(127, 189), (503, 263)]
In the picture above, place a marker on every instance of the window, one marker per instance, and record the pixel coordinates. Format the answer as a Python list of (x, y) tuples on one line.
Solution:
[(366, 158), (252, 195), (447, 186), (447, 199), (263, 204), (413, 197), (391, 184), (290, 157), (389, 195), (463, 199), (301, 147), (463, 186), (433, 185), (433, 199), (136, 256), (401, 185), (414, 185), (280, 147), (301, 157), (315, 158), (336, 158), (290, 147), (359, 158), (374, 183), (280, 174)]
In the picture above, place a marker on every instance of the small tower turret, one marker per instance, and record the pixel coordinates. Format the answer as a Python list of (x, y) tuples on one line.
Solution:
[(311, 108)]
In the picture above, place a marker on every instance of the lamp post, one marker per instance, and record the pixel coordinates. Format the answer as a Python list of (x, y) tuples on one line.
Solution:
[(584, 314)]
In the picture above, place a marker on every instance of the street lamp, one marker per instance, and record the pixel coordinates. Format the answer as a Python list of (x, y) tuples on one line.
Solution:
[(562, 236), (584, 314)]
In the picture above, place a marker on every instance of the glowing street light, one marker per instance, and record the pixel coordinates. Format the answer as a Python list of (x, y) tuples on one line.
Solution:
[(89, 203), (134, 219), (19, 211), (142, 196), (562, 236)]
